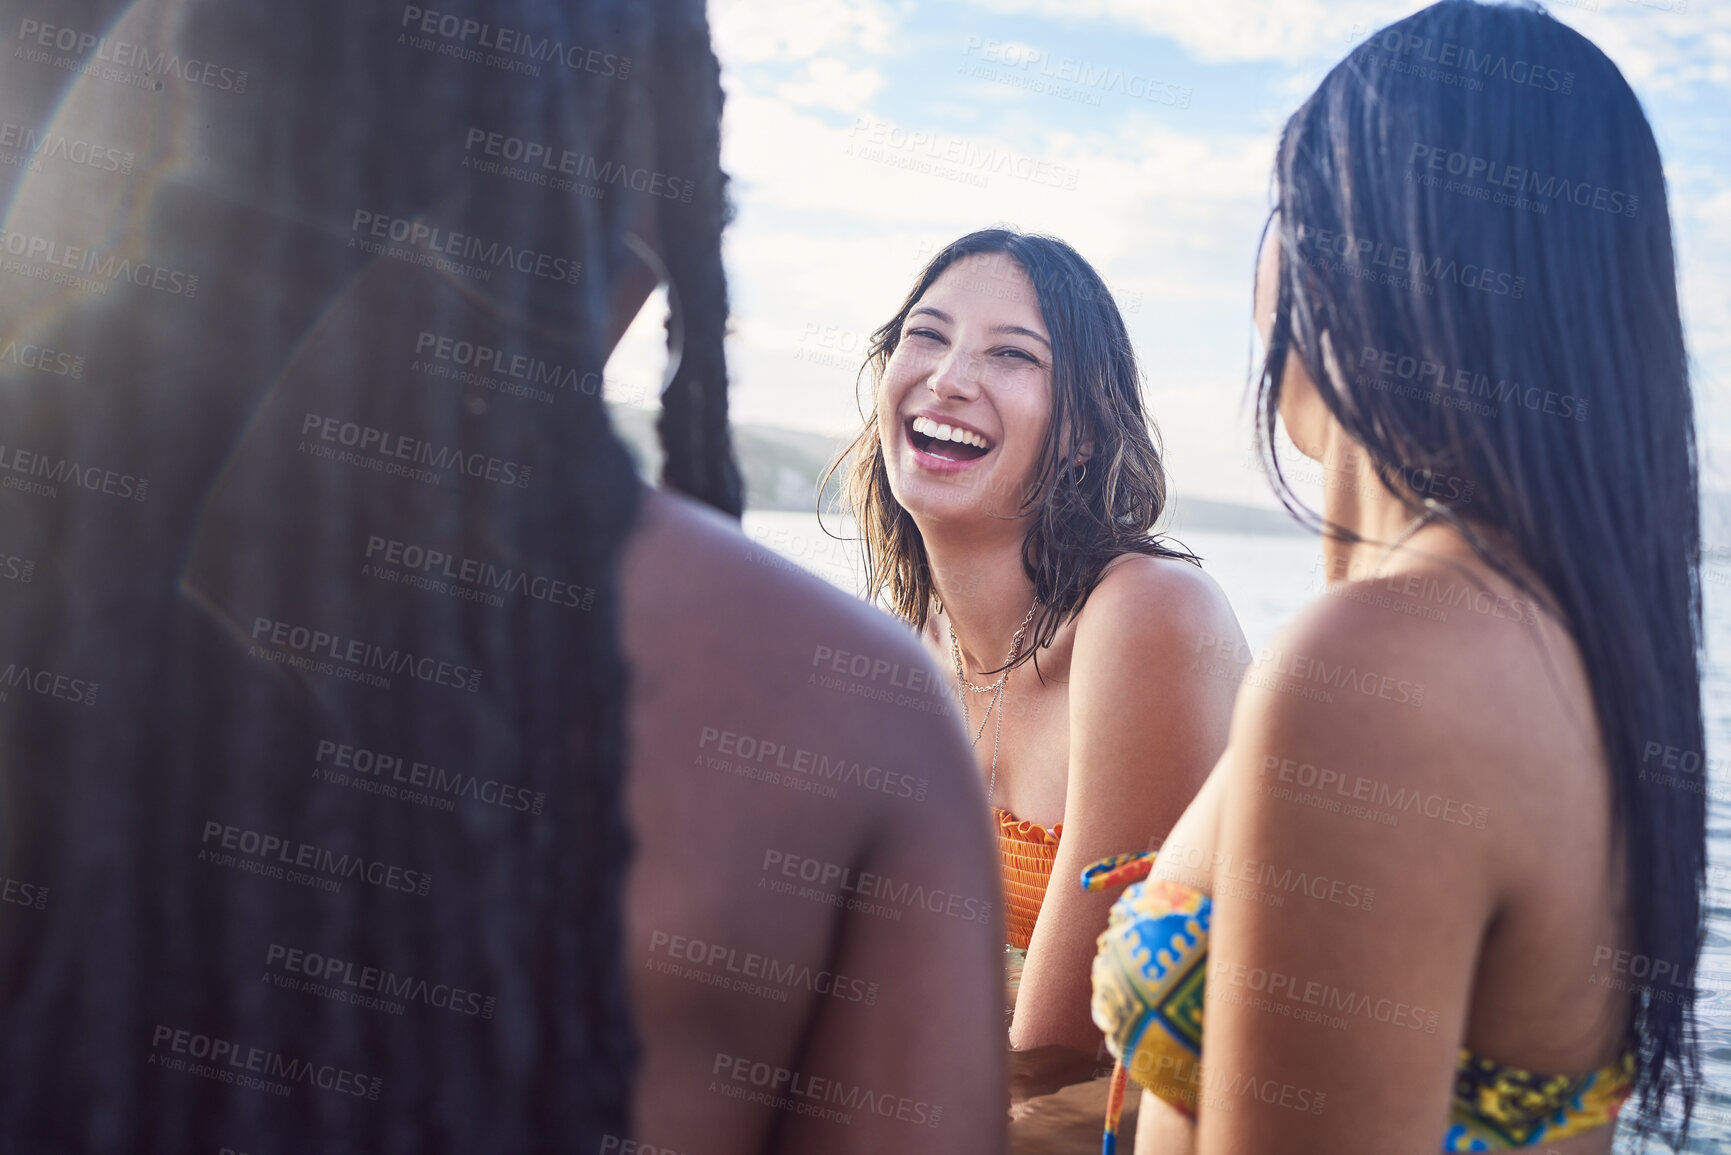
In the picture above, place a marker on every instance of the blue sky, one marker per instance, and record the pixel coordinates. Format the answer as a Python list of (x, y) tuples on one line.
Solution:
[(1142, 131)]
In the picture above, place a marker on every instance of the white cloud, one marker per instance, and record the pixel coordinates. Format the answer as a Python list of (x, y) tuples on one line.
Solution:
[(837, 215), (1659, 49), (754, 31), (1224, 31), (829, 83), (827, 244), (1658, 44)]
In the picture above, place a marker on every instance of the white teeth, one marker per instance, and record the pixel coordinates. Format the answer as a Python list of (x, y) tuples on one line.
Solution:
[(931, 428)]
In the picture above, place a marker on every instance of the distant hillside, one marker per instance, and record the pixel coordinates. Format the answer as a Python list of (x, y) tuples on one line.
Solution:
[(782, 467), (1185, 512)]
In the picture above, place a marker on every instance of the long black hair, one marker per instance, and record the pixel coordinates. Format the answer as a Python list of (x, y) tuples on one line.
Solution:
[(1477, 270), (312, 730), (1100, 485)]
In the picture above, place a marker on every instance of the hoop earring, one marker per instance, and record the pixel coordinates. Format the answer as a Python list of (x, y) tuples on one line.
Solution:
[(1081, 473)]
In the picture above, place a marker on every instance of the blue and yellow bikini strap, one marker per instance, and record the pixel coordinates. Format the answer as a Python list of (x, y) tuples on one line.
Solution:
[(1119, 870), (1114, 1109), (1108, 873)]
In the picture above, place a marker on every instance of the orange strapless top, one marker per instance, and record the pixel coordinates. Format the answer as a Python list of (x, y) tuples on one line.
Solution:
[(1025, 852)]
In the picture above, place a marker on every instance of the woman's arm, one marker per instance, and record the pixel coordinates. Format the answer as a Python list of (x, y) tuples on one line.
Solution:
[(1148, 718), (1343, 947)]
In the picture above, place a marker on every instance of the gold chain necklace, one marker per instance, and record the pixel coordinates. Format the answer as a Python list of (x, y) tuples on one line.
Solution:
[(996, 689)]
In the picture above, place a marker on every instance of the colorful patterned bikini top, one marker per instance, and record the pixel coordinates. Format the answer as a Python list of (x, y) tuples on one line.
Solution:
[(1149, 978), (1026, 851)]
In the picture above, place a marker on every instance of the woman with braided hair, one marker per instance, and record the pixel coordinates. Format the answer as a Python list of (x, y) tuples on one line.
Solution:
[(383, 768)]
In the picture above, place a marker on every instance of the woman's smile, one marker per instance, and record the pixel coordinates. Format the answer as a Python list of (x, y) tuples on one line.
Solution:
[(944, 444)]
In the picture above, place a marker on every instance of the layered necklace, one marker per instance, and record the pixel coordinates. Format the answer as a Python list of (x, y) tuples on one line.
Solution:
[(996, 690)]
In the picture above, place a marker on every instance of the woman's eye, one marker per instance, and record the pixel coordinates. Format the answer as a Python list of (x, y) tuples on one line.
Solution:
[(926, 333), (1022, 353)]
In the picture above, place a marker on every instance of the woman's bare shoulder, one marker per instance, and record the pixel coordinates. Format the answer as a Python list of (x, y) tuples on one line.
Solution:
[(718, 627), (1463, 688), (692, 560), (1163, 601)]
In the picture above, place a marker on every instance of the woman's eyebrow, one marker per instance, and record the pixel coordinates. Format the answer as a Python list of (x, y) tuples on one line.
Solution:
[(1023, 332), (949, 320)]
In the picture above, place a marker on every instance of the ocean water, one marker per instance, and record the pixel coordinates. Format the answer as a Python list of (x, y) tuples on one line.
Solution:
[(1268, 579)]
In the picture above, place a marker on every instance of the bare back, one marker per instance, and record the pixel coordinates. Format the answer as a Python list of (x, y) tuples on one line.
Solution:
[(812, 918), (1495, 904)]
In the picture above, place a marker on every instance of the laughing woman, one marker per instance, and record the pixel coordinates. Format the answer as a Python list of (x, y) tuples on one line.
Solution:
[(1006, 485)]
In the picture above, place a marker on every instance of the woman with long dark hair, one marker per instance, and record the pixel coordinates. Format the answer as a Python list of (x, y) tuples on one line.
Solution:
[(1416, 880), (382, 767), (1006, 484)]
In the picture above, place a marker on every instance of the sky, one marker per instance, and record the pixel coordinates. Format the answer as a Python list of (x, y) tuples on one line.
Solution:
[(1142, 132)]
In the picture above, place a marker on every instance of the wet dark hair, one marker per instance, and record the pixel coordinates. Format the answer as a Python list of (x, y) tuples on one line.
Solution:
[(204, 603), (1084, 517), (1537, 272)]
